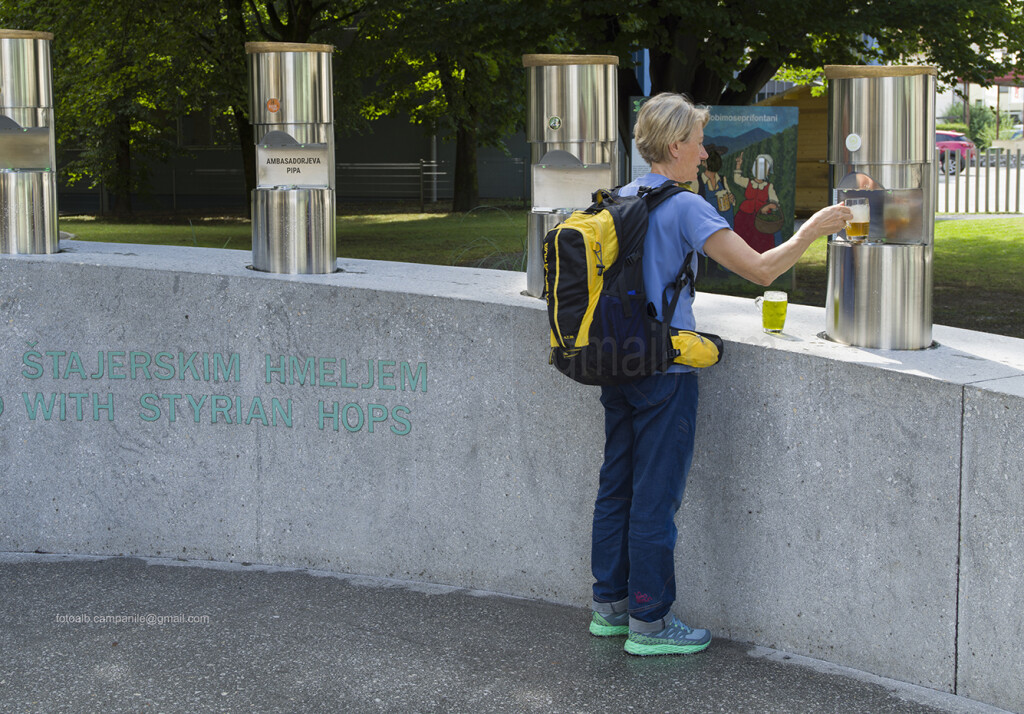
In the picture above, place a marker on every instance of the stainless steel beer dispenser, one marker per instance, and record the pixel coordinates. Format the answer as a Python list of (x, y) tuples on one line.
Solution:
[(28, 180), (291, 106), (572, 129), (881, 148)]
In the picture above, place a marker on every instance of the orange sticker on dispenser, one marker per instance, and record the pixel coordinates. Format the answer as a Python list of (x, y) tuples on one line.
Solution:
[(273, 105)]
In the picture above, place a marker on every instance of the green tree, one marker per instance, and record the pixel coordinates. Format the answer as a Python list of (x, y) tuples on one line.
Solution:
[(454, 67), (125, 70), (724, 51), (229, 24), (121, 78), (982, 128)]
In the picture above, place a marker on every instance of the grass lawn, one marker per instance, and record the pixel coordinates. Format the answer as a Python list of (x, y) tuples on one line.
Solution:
[(492, 236), (977, 269)]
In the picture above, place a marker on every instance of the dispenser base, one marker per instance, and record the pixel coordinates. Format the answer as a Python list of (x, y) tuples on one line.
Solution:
[(293, 230), (539, 223), (879, 295), (28, 213)]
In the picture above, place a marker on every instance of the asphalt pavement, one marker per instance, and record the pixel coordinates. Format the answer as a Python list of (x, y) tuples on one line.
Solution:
[(84, 634)]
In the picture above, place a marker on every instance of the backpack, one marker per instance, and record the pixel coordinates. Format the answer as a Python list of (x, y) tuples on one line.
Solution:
[(604, 330)]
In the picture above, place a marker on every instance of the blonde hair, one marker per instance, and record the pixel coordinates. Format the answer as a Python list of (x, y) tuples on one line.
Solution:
[(663, 119)]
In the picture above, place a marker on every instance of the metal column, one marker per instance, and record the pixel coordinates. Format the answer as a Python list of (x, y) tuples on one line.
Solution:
[(291, 106), (881, 147), (572, 128), (28, 182)]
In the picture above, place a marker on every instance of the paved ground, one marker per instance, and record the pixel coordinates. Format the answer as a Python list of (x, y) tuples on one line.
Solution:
[(74, 637)]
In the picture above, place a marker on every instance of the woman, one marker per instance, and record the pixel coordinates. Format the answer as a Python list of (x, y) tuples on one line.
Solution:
[(713, 186), (758, 192), (649, 424)]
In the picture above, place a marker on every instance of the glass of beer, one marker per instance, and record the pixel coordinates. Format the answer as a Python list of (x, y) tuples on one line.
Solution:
[(773, 310), (896, 215), (857, 228)]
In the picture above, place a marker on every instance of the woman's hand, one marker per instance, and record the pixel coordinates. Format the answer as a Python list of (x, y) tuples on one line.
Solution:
[(827, 221), (728, 249)]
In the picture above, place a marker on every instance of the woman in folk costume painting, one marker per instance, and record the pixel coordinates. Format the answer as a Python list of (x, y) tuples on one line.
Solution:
[(759, 193), (711, 184)]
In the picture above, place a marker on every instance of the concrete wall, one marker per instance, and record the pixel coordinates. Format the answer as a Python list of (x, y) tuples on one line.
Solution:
[(992, 544), (857, 506)]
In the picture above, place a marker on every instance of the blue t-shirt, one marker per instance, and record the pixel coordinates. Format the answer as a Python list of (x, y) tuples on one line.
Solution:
[(682, 223)]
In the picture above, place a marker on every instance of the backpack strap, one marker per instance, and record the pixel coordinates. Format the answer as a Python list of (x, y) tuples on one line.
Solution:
[(598, 200), (656, 196), (653, 197), (684, 278)]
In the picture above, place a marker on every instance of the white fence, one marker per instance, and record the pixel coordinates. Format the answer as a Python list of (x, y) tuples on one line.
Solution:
[(988, 183)]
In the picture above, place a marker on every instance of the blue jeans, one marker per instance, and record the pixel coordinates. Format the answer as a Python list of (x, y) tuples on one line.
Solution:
[(649, 430)]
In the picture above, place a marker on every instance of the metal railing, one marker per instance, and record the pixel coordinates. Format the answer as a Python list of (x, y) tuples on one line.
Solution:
[(989, 182), (422, 180), (213, 180)]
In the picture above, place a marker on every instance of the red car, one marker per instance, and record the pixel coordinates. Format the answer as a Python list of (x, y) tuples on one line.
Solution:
[(955, 151)]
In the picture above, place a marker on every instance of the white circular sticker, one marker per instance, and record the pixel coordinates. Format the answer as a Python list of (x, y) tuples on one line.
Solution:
[(853, 142)]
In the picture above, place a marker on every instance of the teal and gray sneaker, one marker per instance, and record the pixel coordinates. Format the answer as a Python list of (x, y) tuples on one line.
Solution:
[(610, 618), (609, 625), (665, 636)]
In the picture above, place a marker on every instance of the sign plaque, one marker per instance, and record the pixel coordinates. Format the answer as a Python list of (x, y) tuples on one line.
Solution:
[(306, 166)]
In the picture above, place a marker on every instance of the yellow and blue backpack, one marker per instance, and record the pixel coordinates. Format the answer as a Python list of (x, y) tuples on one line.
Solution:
[(604, 330)]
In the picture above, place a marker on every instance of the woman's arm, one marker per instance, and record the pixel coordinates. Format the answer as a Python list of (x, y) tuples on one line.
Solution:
[(729, 250), (738, 178)]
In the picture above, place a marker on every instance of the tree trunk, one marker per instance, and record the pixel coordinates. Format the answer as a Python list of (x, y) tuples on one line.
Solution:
[(629, 86), (246, 140), (120, 187), (754, 76), (466, 191), (243, 128), (683, 71), (466, 187), (299, 26), (676, 71)]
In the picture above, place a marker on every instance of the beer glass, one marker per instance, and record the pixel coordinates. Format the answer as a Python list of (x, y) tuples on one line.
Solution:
[(857, 228), (896, 216), (773, 310)]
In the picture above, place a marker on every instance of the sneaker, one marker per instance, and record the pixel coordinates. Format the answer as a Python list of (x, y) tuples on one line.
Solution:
[(610, 618), (609, 625), (666, 636)]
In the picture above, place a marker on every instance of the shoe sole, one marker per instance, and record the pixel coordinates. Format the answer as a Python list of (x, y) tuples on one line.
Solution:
[(608, 630), (639, 650)]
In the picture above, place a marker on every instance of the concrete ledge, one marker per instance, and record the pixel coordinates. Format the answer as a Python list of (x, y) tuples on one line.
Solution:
[(856, 506)]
